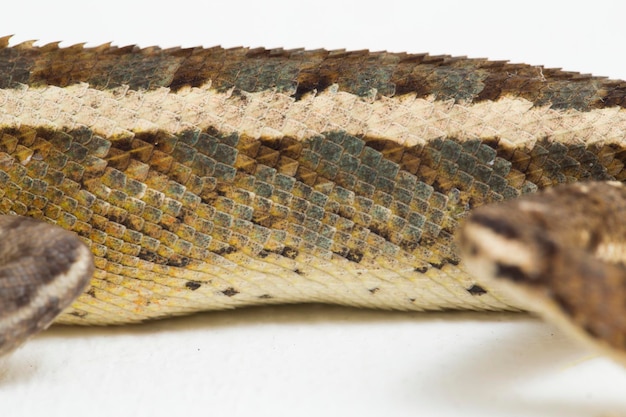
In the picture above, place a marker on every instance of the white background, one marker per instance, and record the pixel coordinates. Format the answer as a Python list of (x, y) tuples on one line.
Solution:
[(316, 360)]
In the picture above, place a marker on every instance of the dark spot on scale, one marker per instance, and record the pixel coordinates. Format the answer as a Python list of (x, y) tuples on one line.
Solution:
[(91, 292), (178, 261), (153, 138), (151, 256), (265, 297), (409, 245), (354, 256), (263, 254), (225, 250), (314, 82), (412, 300), (421, 269), (374, 290), (289, 252), (380, 231), (115, 217), (492, 142), (79, 314), (193, 285), (497, 225), (230, 292), (512, 272), (476, 290), (298, 271)]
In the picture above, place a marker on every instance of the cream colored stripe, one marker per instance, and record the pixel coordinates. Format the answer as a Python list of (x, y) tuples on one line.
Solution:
[(269, 114)]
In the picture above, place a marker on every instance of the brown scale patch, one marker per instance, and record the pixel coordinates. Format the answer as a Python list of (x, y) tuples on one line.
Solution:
[(298, 72), (354, 256), (471, 158), (180, 199)]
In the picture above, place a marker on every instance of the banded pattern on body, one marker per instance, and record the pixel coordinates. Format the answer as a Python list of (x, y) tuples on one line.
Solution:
[(209, 178)]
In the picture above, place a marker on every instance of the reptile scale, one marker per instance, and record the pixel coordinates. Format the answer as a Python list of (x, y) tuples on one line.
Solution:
[(207, 179)]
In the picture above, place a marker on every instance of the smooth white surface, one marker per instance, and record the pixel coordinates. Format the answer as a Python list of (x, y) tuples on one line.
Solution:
[(314, 360)]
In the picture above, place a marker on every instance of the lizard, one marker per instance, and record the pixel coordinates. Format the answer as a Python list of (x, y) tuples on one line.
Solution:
[(142, 183)]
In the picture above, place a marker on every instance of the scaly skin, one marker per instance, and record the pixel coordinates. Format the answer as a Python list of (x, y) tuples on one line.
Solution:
[(207, 179)]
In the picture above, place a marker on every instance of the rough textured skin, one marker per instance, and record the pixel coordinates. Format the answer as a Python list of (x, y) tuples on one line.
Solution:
[(209, 178)]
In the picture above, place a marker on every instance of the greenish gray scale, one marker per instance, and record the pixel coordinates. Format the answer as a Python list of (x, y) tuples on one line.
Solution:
[(323, 195)]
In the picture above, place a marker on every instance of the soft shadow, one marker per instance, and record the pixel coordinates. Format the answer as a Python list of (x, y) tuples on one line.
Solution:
[(480, 377), (19, 367), (301, 314), (491, 378)]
